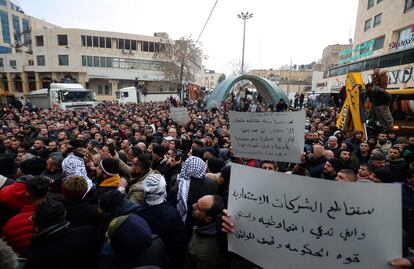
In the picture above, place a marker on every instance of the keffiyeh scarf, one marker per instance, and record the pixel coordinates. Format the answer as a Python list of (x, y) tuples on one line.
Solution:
[(193, 167), (75, 166)]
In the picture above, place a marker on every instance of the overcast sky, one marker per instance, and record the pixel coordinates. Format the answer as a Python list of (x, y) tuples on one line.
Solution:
[(280, 30)]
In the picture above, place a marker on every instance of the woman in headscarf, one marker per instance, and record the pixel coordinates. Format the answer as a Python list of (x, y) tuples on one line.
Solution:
[(192, 185)]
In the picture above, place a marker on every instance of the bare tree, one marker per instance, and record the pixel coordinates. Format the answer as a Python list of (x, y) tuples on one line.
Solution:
[(236, 67), (181, 58)]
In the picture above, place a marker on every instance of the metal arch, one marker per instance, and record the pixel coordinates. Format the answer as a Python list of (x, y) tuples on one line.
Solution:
[(269, 90)]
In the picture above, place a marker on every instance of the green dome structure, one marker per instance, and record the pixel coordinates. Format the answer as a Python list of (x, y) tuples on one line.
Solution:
[(266, 88)]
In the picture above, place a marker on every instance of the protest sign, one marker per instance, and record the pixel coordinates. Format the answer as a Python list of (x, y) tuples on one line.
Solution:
[(290, 221), (275, 136), (179, 114)]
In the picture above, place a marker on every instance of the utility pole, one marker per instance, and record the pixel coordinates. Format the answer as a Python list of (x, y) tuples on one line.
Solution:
[(244, 17)]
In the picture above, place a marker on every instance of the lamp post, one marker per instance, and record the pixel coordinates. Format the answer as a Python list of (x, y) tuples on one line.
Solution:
[(244, 16)]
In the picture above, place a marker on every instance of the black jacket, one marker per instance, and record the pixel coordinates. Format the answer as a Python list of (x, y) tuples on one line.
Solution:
[(155, 255), (198, 188), (165, 221), (83, 212), (63, 247)]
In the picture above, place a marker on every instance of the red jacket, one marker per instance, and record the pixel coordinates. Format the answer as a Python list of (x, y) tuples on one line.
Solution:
[(18, 230), (15, 195)]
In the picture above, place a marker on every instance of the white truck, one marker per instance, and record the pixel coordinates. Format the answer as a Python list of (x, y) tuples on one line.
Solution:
[(62, 96), (131, 95)]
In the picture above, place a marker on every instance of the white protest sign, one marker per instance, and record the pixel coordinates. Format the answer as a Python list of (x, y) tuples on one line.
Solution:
[(179, 114), (275, 136), (288, 221)]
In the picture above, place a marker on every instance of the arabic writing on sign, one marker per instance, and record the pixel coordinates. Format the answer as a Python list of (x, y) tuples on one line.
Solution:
[(302, 222), (268, 136), (179, 114), (297, 202)]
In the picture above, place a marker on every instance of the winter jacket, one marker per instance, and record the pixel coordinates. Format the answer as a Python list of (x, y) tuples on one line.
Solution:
[(384, 147), (400, 166), (316, 167), (82, 212), (155, 255), (18, 230), (136, 188), (198, 188), (165, 221), (61, 246), (15, 195), (203, 251), (107, 184)]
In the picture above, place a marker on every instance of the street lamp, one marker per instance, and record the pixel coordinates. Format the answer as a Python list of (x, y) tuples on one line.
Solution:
[(244, 16)]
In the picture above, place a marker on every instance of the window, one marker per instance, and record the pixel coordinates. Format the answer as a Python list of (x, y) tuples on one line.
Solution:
[(88, 41), (108, 62), (407, 57), (404, 38), (95, 40), (108, 43), (102, 62), (100, 92), (145, 46), (30, 62), (151, 47), (39, 41), (1, 62), (121, 44), (13, 63), (371, 64), (367, 25), (40, 59), (409, 5), (62, 40), (102, 42), (26, 30), (370, 3), (377, 19), (133, 45), (90, 60), (390, 60), (63, 59), (126, 94), (16, 26), (84, 61), (127, 44), (3, 2), (379, 1), (379, 43), (83, 40), (107, 90), (96, 61), (5, 29)]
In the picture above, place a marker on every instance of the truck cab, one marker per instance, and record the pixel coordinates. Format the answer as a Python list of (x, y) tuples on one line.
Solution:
[(63, 96), (127, 95)]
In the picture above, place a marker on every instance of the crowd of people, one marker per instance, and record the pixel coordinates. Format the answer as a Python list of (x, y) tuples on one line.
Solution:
[(124, 186)]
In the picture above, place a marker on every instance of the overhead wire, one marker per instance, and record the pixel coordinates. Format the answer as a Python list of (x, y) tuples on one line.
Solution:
[(205, 24)]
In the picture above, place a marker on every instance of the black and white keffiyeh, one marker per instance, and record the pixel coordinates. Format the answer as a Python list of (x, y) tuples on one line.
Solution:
[(75, 166), (193, 167), (155, 189)]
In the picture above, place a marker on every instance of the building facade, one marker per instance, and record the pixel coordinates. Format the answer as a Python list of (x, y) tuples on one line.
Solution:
[(290, 81), (101, 61), (330, 55), (384, 38), (211, 79), (388, 23)]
